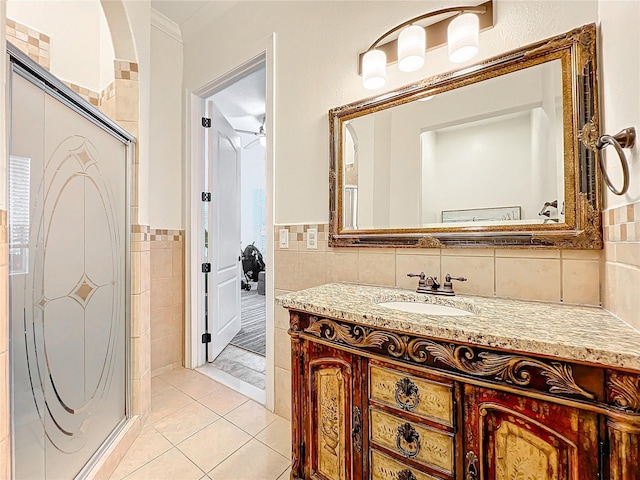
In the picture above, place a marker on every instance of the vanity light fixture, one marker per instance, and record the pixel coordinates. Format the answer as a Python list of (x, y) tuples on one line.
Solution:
[(460, 32)]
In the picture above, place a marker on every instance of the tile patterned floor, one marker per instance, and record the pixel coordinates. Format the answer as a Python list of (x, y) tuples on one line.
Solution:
[(201, 430)]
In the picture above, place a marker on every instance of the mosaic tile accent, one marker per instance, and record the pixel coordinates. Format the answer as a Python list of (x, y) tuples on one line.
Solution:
[(89, 95), (164, 235), (622, 224), (140, 233), (108, 93), (125, 70), (35, 44), (299, 232)]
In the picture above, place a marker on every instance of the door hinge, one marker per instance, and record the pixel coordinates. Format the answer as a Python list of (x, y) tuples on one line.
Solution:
[(206, 338), (302, 452), (206, 196), (206, 267), (601, 460), (206, 122), (302, 364)]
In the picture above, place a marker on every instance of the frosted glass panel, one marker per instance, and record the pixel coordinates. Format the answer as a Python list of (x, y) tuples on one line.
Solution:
[(67, 216)]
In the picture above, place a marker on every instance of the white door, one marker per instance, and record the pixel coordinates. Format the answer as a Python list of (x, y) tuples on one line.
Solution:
[(223, 169)]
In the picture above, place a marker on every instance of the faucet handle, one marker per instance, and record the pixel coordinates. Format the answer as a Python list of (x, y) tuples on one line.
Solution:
[(422, 282), (448, 278), (448, 286)]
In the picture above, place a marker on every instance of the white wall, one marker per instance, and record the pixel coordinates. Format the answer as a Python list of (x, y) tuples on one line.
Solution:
[(81, 48), (138, 14), (165, 149), (619, 88), (316, 52)]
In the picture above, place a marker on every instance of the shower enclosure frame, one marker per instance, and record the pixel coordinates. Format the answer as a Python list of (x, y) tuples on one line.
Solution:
[(21, 64)]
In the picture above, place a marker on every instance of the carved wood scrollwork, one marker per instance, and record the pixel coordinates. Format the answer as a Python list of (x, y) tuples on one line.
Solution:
[(513, 369), (294, 321), (624, 392)]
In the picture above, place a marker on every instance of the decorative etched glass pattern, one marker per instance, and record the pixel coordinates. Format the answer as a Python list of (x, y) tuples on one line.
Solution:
[(68, 306)]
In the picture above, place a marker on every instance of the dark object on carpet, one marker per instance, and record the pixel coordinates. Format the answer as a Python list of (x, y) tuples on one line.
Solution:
[(253, 333)]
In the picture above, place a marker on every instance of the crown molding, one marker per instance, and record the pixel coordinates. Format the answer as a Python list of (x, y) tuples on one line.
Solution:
[(166, 25)]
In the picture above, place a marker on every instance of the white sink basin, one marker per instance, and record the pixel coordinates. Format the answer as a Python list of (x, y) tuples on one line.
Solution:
[(426, 308)]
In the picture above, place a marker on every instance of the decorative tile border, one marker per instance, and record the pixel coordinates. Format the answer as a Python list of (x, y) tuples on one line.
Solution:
[(108, 93), (125, 70), (35, 44), (622, 224), (299, 232), (140, 233), (164, 235)]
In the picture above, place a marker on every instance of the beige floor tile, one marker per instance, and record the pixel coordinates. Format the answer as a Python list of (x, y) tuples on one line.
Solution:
[(168, 402), (149, 445), (286, 475), (158, 385), (223, 400), (183, 423), (277, 436), (210, 446), (181, 375), (251, 417), (170, 465), (198, 387), (254, 461)]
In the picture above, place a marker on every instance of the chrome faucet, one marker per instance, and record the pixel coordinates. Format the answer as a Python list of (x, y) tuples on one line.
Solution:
[(431, 286)]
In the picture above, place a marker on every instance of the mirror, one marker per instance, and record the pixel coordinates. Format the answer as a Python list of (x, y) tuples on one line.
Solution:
[(488, 155)]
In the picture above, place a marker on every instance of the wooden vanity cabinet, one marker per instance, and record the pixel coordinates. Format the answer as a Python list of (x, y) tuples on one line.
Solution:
[(331, 444), (375, 404), (516, 437)]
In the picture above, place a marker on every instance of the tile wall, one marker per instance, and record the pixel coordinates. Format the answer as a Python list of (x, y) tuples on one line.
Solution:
[(568, 276), (167, 300), (621, 295), (35, 44)]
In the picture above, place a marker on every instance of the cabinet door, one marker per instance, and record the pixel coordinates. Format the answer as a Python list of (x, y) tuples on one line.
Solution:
[(334, 436), (512, 437)]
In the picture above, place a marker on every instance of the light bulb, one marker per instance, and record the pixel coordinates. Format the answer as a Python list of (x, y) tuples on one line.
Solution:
[(374, 69), (462, 37), (412, 44), (263, 140)]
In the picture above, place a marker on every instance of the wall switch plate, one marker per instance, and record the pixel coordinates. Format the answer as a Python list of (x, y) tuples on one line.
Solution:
[(312, 238), (284, 238)]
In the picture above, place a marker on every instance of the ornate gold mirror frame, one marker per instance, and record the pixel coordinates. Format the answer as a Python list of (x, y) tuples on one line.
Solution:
[(581, 228)]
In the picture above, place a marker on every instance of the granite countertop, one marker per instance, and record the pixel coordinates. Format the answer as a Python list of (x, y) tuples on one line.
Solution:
[(584, 334)]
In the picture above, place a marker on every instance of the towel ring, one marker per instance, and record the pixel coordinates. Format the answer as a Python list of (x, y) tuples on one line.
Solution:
[(623, 139)]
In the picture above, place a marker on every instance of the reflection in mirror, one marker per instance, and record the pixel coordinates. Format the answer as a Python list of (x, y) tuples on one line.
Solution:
[(489, 153)]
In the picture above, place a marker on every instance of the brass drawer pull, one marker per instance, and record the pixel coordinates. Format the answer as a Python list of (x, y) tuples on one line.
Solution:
[(406, 474), (407, 435), (407, 395)]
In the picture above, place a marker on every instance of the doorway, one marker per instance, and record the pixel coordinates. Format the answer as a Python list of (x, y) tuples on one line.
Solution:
[(234, 228)]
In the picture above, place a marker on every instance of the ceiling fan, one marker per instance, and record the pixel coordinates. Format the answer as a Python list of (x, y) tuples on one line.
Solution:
[(260, 134)]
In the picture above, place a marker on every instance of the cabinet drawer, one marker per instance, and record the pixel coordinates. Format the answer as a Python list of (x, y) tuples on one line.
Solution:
[(422, 444), (386, 468), (421, 397)]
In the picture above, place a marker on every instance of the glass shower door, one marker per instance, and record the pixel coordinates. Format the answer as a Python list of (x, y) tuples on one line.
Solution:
[(68, 284)]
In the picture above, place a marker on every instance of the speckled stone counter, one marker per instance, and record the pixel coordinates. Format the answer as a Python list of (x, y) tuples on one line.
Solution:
[(584, 334)]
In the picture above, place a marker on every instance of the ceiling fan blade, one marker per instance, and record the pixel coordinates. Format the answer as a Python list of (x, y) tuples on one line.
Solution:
[(251, 144), (245, 131)]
